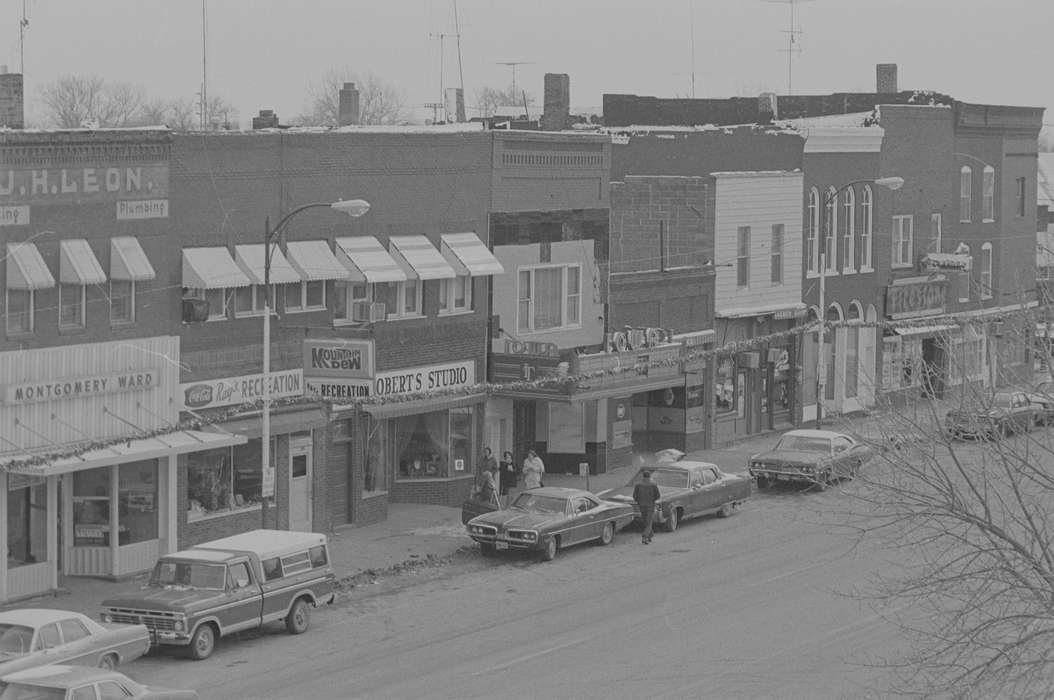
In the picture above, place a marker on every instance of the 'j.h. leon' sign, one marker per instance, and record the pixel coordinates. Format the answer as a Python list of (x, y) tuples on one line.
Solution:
[(915, 298), (101, 183), (81, 387)]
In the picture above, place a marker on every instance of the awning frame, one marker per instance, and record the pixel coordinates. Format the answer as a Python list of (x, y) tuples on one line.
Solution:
[(78, 264), (128, 261), (212, 268), (26, 269)]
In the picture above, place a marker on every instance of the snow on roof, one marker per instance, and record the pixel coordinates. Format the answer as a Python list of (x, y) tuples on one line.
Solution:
[(755, 173), (852, 119), (1045, 191)]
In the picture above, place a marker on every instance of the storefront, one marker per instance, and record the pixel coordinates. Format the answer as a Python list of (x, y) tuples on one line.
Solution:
[(90, 460)]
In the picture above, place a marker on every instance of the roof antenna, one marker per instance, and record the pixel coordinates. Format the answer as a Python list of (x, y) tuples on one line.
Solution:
[(792, 32)]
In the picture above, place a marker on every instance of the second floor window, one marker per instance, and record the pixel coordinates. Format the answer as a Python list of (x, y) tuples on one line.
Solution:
[(848, 231), (965, 185), (812, 235), (71, 306), (986, 271), (777, 254), (743, 256), (250, 301), (406, 298), (219, 301), (122, 301), (455, 295), (830, 232), (304, 296), (903, 235), (19, 311), (867, 224), (549, 296), (988, 194)]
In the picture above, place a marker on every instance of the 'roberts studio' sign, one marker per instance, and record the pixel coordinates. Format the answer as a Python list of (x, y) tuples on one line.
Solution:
[(235, 391), (81, 387), (915, 298), (412, 380)]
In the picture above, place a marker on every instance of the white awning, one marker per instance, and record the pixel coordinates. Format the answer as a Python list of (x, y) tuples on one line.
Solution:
[(77, 263), (467, 254), (211, 268), (314, 261), (419, 258), (133, 450), (128, 261), (26, 268), (367, 261), (250, 259), (925, 330)]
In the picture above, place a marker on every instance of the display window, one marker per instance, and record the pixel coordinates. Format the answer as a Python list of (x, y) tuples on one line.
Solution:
[(137, 500), (91, 508), (433, 445), (27, 535), (225, 480), (725, 386)]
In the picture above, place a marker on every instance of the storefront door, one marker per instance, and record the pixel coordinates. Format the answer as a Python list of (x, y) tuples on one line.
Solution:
[(300, 482)]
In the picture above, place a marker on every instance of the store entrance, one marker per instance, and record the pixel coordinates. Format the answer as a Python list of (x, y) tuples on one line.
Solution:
[(300, 482), (523, 430)]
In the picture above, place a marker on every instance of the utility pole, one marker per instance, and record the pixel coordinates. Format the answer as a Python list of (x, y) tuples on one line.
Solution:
[(821, 359)]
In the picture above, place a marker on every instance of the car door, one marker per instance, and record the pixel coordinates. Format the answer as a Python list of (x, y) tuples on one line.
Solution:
[(583, 519), (242, 609), (49, 644), (841, 456), (79, 645), (713, 491)]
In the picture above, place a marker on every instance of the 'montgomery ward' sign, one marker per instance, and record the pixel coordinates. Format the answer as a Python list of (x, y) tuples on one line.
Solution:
[(80, 387)]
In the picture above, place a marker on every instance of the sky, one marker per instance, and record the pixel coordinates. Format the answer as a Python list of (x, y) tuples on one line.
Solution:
[(264, 54)]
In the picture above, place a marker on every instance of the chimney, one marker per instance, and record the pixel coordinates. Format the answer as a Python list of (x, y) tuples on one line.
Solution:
[(557, 104), (348, 110), (454, 105), (768, 108), (12, 112), (267, 120), (886, 78)]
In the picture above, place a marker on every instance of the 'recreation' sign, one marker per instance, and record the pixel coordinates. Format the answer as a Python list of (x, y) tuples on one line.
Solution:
[(412, 380), (235, 391)]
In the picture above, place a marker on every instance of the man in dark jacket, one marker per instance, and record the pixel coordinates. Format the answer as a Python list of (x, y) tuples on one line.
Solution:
[(646, 493)]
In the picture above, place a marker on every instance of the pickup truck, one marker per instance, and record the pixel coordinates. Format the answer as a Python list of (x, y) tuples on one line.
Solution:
[(236, 583)]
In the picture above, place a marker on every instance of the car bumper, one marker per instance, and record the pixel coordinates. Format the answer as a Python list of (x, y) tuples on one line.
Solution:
[(789, 475), (169, 638), (504, 543)]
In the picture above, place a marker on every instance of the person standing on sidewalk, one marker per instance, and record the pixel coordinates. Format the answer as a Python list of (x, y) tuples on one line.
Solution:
[(646, 494), (488, 484), (507, 476), (533, 470)]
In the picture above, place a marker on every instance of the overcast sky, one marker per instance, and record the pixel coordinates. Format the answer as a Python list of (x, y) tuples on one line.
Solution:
[(264, 53)]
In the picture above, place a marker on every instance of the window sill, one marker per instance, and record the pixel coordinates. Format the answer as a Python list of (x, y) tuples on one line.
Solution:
[(222, 513), (545, 331), (849, 271), (404, 317), (987, 221), (247, 314), (900, 266), (864, 269), (344, 323), (367, 495), (305, 309), (811, 274), (455, 312), (19, 334)]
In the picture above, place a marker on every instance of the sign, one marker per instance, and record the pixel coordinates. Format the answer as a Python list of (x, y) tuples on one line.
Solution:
[(621, 434), (344, 359), (142, 209), (638, 339), (413, 380), (81, 387), (14, 216), (99, 183), (915, 298), (785, 314), (531, 347), (234, 391)]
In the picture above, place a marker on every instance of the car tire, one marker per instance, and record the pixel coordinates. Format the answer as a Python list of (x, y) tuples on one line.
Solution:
[(202, 643), (672, 520), (607, 534), (549, 548), (108, 662), (299, 618), (727, 510), (763, 483), (487, 549)]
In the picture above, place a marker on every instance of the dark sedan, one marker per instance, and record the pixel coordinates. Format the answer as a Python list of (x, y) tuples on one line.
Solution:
[(1008, 412), (547, 519), (687, 490), (815, 457)]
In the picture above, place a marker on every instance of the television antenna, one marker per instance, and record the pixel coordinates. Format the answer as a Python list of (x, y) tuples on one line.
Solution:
[(435, 107), (513, 64), (793, 32), (442, 88), (22, 24)]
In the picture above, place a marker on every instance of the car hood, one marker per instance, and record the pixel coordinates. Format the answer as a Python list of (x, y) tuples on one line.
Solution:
[(9, 663), (518, 519), (967, 415), (170, 599), (789, 457), (624, 494)]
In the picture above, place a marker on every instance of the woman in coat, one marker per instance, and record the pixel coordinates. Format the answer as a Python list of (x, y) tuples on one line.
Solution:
[(533, 470)]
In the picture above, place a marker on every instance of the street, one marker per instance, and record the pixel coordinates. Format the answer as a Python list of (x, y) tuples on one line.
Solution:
[(755, 606)]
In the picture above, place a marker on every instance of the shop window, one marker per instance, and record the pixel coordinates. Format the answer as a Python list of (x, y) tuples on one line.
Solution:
[(224, 480), (122, 301), (375, 476), (433, 445), (91, 508), (137, 501), (455, 295), (724, 389), (19, 311), (219, 301), (27, 535)]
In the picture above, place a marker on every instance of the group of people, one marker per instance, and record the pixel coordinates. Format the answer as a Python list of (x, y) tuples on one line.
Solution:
[(497, 479)]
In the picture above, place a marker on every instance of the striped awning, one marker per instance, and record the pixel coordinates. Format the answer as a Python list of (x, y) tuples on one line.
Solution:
[(128, 261), (366, 260), (26, 268), (467, 254), (78, 264), (211, 268), (250, 259), (419, 258), (314, 261)]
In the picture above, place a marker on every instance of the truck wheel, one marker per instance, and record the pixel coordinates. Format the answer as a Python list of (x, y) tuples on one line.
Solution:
[(298, 619), (726, 510), (549, 549), (671, 520), (203, 643)]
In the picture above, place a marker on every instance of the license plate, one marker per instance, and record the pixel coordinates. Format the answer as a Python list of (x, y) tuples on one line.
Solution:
[(501, 545), (782, 477)]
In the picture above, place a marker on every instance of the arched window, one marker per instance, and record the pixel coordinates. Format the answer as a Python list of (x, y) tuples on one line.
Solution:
[(988, 194), (852, 350), (812, 249), (986, 271), (964, 193), (848, 231), (867, 222), (830, 233)]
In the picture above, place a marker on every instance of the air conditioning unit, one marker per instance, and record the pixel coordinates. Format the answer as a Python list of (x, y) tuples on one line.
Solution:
[(368, 311), (195, 310)]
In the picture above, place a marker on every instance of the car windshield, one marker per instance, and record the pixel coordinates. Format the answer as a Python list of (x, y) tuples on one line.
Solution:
[(17, 691), (15, 639), (185, 574), (673, 478), (802, 443), (1001, 400), (534, 503)]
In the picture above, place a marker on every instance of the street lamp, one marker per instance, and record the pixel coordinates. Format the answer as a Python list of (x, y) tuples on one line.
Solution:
[(891, 183), (353, 208)]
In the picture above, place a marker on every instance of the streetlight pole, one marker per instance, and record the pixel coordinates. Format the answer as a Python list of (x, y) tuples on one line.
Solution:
[(829, 202), (353, 208)]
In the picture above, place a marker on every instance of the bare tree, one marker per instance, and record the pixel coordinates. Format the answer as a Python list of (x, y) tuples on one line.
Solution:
[(488, 99), (380, 102), (74, 100), (973, 523)]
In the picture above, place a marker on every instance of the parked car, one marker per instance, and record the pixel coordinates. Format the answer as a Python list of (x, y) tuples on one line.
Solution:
[(687, 490), (1042, 398), (547, 519), (228, 585), (816, 457), (56, 682), (34, 637), (1008, 412)]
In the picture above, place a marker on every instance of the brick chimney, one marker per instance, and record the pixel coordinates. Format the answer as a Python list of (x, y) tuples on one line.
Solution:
[(768, 108), (557, 104), (348, 109), (12, 112), (267, 120), (886, 78), (454, 105)]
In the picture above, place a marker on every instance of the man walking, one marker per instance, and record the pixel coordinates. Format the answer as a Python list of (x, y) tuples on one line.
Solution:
[(646, 494)]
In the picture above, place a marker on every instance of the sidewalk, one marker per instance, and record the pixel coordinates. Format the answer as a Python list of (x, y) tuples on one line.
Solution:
[(413, 535)]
